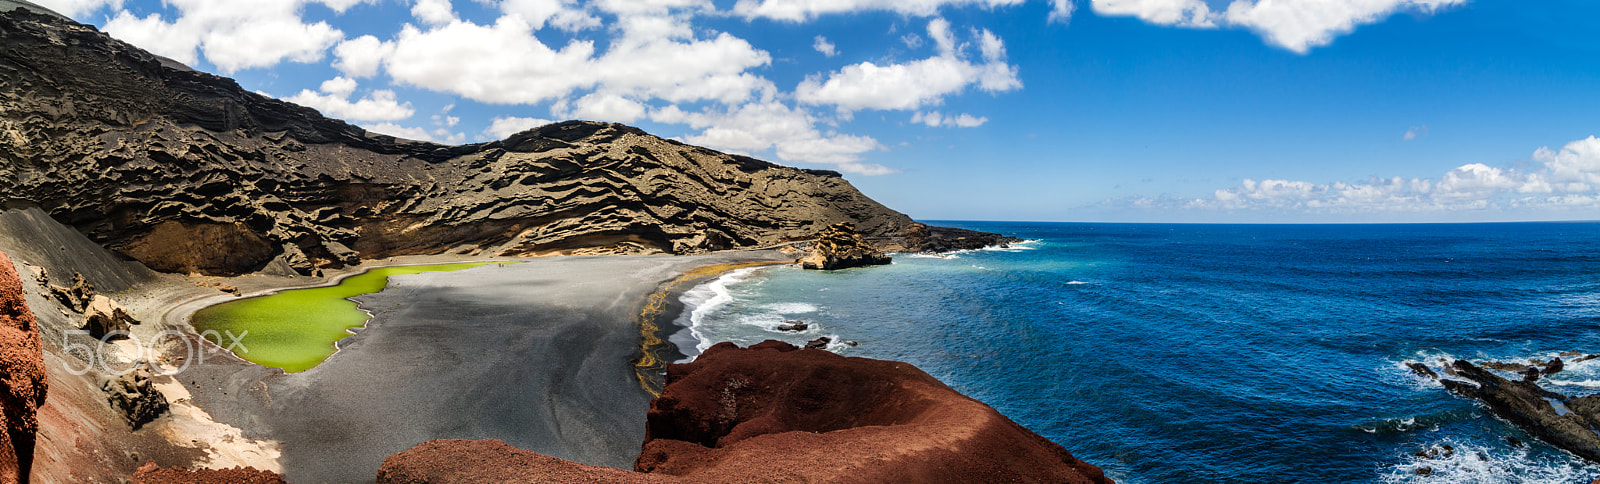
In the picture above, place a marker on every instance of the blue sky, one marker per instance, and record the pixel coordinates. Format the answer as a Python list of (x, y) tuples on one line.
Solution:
[(1069, 110)]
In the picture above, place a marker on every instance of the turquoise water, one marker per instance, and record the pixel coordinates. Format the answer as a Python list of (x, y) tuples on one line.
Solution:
[(1213, 353)]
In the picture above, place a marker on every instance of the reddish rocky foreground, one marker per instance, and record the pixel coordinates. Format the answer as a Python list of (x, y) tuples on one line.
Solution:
[(22, 361), (776, 413)]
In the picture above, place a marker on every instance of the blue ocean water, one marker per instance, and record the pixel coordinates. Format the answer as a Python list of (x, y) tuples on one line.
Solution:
[(1217, 353)]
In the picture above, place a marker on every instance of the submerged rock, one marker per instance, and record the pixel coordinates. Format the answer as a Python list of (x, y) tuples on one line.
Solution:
[(840, 247), (135, 396), (22, 377), (793, 326)]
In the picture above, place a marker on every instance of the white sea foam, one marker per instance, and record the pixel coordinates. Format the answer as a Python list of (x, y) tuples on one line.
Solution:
[(791, 307), (703, 300), (1473, 462), (1076, 283)]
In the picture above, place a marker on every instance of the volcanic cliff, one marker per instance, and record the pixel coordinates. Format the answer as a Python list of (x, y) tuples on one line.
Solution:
[(188, 172)]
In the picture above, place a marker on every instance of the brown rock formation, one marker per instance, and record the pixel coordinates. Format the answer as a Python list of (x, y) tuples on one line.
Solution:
[(777, 413), (187, 172), (840, 247), (920, 237), (151, 473), (104, 316), (23, 374), (135, 397)]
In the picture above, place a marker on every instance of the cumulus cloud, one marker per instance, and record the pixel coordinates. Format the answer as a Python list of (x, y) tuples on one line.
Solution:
[(769, 124), (918, 83), (361, 56), (936, 119), (822, 45), (334, 101), (232, 35), (1296, 25), (1558, 178), (803, 10), (1061, 11), (504, 126)]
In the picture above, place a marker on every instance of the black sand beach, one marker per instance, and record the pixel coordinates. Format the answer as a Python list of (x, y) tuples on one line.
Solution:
[(537, 354)]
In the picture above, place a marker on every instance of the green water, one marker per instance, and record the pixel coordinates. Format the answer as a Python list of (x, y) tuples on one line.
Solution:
[(296, 329)]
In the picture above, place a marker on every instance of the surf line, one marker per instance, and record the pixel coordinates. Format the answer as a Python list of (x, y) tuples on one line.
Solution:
[(651, 365)]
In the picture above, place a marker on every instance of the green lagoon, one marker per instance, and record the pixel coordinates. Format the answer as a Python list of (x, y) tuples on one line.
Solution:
[(296, 329)]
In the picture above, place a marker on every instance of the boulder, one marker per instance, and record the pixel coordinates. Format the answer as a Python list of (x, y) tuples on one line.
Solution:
[(135, 396), (840, 247), (819, 343), (76, 297), (793, 326), (22, 377), (103, 316)]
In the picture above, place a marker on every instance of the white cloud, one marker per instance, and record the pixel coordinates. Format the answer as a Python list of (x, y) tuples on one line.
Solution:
[(1061, 11), (505, 126), (605, 107), (1299, 25), (361, 56), (334, 101), (1184, 13), (561, 14), (232, 35), (822, 45), (802, 10), (1565, 178), (936, 119), (78, 9), (433, 12), (769, 124), (1415, 132), (914, 84)]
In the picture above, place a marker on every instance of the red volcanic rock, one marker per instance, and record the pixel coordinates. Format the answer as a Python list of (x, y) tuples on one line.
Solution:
[(775, 412), (452, 460), (151, 473), (22, 374)]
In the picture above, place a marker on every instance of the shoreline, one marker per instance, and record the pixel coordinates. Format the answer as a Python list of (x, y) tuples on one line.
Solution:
[(658, 321)]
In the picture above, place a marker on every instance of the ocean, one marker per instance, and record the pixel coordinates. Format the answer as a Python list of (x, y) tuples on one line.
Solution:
[(1216, 353)]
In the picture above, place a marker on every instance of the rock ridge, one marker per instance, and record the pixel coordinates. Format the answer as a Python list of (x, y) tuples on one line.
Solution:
[(187, 172)]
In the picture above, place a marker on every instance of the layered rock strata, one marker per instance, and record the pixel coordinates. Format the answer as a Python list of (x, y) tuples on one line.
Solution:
[(187, 172), (22, 374), (776, 413)]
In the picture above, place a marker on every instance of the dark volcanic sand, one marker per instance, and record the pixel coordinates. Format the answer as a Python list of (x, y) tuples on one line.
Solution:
[(535, 354)]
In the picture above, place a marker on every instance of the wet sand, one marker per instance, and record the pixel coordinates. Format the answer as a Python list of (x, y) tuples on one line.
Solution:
[(538, 354)]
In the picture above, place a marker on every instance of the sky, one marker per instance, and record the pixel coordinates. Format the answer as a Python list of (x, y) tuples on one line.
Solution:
[(1230, 111)]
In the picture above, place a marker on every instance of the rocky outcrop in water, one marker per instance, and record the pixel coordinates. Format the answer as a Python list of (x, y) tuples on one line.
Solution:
[(1564, 421), (187, 172), (920, 237), (840, 247), (776, 413), (22, 374)]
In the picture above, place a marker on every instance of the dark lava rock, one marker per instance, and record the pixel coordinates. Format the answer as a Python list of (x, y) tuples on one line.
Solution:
[(1422, 370), (919, 237), (1563, 421), (819, 343), (793, 326), (840, 247), (136, 397)]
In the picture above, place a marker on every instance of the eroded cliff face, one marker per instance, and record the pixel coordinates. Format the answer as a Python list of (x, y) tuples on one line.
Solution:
[(187, 172)]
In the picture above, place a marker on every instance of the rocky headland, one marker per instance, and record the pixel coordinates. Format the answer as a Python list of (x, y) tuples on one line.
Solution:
[(777, 413), (187, 172), (840, 247), (1567, 422)]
